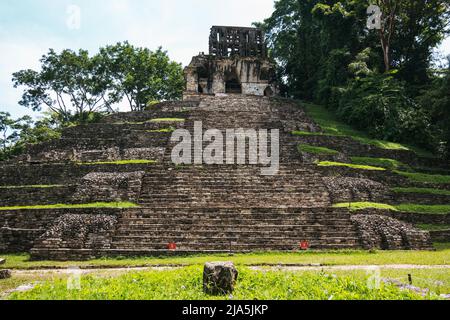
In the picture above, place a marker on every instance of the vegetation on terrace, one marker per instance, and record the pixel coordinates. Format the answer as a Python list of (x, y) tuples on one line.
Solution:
[(316, 150), (406, 207), (120, 205)]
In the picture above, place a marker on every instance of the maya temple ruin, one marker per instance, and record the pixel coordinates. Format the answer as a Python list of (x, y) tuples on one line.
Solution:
[(111, 189)]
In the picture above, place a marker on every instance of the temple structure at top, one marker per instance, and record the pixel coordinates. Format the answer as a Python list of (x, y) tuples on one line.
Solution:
[(237, 63)]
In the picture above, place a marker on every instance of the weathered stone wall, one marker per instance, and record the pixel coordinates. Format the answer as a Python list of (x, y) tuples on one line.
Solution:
[(109, 187), (381, 232), (76, 231)]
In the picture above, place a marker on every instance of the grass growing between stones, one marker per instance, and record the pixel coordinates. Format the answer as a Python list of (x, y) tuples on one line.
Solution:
[(117, 163), (186, 284), (316, 150), (332, 126), (406, 207), (119, 205), (426, 178), (390, 164), (422, 191), (348, 165), (50, 186)]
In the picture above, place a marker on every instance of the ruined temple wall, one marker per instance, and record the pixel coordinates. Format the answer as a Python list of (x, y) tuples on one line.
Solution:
[(254, 75)]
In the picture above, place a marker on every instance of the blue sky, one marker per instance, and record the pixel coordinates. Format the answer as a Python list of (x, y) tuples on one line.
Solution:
[(28, 28)]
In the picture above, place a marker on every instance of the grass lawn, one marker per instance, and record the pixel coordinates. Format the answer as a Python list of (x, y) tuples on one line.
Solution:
[(328, 258), (120, 205), (186, 284)]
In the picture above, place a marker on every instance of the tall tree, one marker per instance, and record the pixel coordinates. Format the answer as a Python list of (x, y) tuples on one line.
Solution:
[(139, 75), (68, 83)]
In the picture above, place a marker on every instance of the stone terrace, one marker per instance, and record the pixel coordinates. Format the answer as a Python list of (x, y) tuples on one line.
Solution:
[(219, 208)]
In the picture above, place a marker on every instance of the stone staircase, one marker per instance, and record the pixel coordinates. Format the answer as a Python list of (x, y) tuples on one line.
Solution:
[(235, 230), (201, 208)]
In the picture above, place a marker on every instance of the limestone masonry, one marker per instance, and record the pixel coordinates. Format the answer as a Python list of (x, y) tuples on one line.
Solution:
[(206, 208), (237, 63)]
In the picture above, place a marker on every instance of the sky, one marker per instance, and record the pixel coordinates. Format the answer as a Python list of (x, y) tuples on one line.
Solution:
[(28, 28)]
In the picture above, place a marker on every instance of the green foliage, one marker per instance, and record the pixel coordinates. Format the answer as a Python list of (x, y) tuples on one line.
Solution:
[(326, 53), (332, 126), (348, 165), (380, 105), (316, 150), (390, 164), (422, 191), (427, 178), (141, 76), (186, 284), (10, 134), (84, 84), (120, 205)]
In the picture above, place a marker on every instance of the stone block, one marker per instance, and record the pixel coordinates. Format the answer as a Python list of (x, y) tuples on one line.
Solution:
[(5, 274), (219, 278)]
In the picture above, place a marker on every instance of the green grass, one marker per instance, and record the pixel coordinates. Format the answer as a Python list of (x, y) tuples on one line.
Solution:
[(407, 207), (316, 150), (167, 120), (348, 165), (355, 206), (331, 125), (164, 130), (427, 178), (186, 284), (422, 191), (118, 163), (434, 227), (326, 258), (73, 206), (33, 186), (390, 164), (429, 209)]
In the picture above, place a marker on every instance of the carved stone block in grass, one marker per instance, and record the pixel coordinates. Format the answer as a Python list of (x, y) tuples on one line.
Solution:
[(219, 278)]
